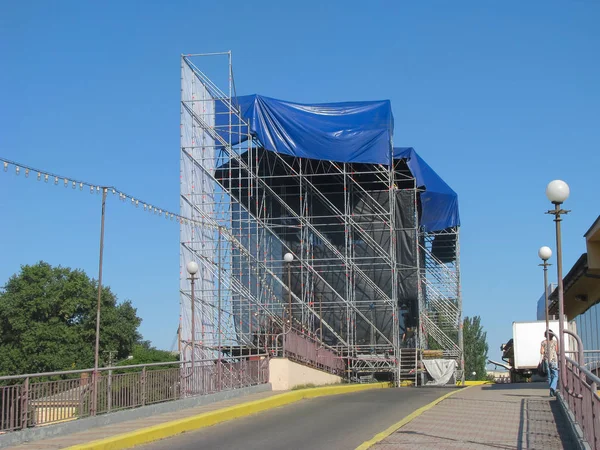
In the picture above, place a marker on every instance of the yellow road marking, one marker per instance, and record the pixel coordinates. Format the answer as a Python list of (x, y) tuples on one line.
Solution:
[(381, 436), (168, 429)]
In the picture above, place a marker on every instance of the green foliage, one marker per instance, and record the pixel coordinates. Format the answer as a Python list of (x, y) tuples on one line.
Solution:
[(48, 321), (476, 349), (145, 353), (303, 386)]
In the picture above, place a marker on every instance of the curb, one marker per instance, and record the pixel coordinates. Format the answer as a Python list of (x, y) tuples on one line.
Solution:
[(168, 429), (475, 383), (381, 436)]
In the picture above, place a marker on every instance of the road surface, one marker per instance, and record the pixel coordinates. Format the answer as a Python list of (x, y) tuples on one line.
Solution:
[(336, 422)]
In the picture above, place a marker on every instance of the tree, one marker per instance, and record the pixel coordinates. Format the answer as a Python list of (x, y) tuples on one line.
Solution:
[(48, 321), (475, 349), (145, 353)]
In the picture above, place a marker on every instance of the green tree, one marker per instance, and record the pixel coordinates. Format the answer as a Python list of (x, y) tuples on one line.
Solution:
[(48, 321), (145, 353), (476, 349)]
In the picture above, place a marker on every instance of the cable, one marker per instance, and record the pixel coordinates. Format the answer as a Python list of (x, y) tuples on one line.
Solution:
[(74, 183)]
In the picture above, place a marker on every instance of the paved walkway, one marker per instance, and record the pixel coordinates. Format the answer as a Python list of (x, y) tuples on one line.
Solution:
[(501, 416), (132, 425)]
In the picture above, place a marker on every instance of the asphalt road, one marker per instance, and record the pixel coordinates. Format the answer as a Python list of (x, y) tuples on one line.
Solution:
[(337, 422)]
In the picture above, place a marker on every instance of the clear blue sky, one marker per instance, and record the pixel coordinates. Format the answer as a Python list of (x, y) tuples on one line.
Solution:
[(499, 97)]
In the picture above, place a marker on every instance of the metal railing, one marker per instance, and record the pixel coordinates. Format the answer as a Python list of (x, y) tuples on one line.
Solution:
[(309, 351), (583, 400), (45, 398)]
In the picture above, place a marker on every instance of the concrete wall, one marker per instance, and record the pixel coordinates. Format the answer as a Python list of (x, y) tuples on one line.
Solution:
[(285, 374)]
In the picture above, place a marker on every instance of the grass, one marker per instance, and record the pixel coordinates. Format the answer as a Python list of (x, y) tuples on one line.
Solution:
[(304, 386)]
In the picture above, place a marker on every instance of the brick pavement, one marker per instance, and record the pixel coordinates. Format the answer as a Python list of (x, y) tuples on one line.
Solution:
[(501, 416)]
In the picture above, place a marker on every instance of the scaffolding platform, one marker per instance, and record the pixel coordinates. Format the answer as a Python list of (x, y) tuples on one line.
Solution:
[(307, 218)]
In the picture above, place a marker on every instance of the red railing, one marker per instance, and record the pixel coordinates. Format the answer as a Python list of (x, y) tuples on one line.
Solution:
[(309, 351), (45, 398), (582, 399)]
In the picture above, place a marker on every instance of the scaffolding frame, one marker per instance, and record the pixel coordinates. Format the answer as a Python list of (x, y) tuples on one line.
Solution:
[(250, 206)]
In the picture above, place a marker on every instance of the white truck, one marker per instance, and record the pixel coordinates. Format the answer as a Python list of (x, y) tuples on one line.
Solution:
[(521, 354)]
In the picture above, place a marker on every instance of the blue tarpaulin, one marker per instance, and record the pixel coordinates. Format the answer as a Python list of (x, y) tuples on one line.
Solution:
[(439, 202), (359, 132), (342, 132)]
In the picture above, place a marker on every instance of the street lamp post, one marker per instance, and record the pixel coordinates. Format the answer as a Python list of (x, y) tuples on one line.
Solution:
[(557, 192), (545, 253), (192, 268), (288, 258), (94, 405)]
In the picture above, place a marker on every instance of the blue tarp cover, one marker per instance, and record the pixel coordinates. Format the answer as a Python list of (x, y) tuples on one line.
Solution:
[(358, 132), (439, 202), (342, 132)]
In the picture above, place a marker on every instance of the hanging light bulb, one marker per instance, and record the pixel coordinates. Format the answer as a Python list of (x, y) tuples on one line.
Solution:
[(39, 176), (81, 186), (74, 185), (160, 212), (46, 178), (132, 201), (66, 182), (114, 191), (144, 207), (136, 203), (17, 170), (55, 181), (91, 189), (26, 173), (5, 166), (97, 189)]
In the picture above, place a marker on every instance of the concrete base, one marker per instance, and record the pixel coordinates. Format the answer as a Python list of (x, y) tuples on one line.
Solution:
[(285, 375), (60, 429)]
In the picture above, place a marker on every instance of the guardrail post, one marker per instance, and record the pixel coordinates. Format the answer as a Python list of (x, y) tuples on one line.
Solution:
[(94, 396), (24, 403), (109, 391), (592, 415), (143, 385)]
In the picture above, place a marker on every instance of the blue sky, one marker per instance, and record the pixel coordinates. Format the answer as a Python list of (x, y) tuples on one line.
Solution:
[(498, 97)]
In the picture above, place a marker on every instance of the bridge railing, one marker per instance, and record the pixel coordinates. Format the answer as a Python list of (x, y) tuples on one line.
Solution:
[(45, 398), (582, 398)]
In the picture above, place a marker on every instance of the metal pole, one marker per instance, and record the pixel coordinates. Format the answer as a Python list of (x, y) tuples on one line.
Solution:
[(97, 347), (219, 307), (289, 266), (561, 314), (545, 265), (290, 293), (193, 334)]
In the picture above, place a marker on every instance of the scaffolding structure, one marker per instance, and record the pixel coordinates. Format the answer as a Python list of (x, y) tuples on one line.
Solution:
[(363, 274)]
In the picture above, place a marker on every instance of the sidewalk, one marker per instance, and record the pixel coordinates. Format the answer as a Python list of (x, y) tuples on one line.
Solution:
[(501, 416), (133, 425)]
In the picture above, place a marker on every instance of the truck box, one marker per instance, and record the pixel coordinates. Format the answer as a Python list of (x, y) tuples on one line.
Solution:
[(527, 339)]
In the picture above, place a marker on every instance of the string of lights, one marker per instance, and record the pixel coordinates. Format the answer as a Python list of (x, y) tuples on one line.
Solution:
[(95, 188)]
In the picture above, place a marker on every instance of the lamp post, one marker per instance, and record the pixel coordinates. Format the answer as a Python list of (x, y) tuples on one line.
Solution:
[(192, 268), (288, 258), (545, 253), (557, 192), (94, 405)]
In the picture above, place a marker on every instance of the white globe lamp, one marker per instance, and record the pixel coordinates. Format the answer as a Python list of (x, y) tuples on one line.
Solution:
[(288, 257), (545, 253), (192, 267), (557, 191)]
